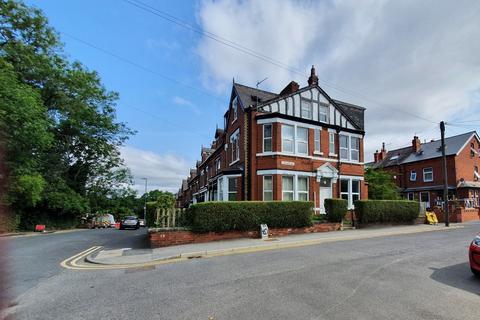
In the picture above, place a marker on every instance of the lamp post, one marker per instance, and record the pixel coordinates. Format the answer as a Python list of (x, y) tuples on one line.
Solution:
[(145, 203)]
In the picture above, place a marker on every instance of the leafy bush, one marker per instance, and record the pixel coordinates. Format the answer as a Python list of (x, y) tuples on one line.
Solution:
[(336, 209), (372, 211), (248, 215)]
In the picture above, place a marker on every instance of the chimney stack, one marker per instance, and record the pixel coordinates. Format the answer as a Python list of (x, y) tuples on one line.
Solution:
[(290, 88), (416, 144), (313, 79), (379, 156)]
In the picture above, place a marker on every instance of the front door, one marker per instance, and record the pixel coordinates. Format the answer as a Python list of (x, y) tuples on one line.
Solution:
[(325, 192)]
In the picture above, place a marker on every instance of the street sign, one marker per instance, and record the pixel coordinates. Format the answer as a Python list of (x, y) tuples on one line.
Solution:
[(264, 231)]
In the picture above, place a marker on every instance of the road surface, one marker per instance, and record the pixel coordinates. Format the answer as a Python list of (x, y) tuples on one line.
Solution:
[(416, 276)]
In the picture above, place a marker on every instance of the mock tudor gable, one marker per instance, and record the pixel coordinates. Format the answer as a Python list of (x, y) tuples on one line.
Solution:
[(298, 144)]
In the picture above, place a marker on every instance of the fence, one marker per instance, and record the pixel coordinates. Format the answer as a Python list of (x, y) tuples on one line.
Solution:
[(168, 218)]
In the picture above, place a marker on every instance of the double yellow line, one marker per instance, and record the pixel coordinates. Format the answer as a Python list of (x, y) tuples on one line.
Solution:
[(77, 262)]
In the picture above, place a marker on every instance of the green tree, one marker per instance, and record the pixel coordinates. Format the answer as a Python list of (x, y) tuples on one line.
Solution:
[(67, 156), (381, 185)]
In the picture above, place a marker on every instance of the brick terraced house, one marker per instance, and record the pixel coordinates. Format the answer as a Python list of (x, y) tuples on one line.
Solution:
[(417, 169), (299, 144)]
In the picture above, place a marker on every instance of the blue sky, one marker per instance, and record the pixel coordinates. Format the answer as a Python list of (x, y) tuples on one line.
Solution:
[(411, 65)]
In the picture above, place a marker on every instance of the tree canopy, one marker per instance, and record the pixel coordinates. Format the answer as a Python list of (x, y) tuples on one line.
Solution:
[(381, 185), (58, 125)]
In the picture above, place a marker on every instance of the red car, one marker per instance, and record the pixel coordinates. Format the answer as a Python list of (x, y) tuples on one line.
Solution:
[(474, 255)]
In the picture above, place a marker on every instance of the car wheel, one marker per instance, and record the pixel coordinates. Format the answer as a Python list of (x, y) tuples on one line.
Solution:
[(475, 272)]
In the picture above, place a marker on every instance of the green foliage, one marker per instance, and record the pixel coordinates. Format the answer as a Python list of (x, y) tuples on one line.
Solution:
[(386, 211), (158, 200), (58, 125), (336, 209), (248, 215), (381, 185)]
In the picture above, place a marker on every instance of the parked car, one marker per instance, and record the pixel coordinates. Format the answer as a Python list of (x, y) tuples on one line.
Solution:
[(130, 223), (474, 256)]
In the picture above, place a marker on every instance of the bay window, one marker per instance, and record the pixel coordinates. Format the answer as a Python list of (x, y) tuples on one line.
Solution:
[(350, 190), (287, 138), (343, 147), (287, 188), (331, 140), (302, 140), (267, 137), (232, 189), (302, 189), (235, 146), (267, 188), (317, 140), (354, 148)]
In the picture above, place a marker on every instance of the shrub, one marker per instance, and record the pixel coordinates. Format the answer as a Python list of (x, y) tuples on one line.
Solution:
[(372, 211), (336, 209), (248, 215)]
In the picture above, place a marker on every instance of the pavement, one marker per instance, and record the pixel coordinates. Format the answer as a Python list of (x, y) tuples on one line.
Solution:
[(135, 257)]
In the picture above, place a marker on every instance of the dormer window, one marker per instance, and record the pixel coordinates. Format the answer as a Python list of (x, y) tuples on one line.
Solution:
[(235, 109)]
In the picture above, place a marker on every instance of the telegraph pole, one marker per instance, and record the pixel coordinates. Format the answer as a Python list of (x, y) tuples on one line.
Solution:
[(445, 178), (145, 203)]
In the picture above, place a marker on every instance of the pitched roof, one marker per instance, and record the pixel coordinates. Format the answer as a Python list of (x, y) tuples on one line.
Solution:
[(248, 95), (355, 112), (429, 150)]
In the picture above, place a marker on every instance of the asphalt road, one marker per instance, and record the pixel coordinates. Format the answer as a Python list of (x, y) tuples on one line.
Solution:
[(34, 259), (416, 276)]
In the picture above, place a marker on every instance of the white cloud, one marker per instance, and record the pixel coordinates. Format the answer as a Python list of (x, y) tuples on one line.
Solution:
[(187, 103), (421, 57), (164, 172)]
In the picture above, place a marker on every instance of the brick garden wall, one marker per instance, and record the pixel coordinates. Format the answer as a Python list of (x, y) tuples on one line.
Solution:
[(164, 238)]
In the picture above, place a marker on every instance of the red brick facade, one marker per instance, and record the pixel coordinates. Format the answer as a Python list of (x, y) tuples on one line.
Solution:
[(304, 130), (463, 160)]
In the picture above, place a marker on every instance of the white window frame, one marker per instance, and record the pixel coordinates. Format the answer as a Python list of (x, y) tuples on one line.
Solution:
[(349, 150), (317, 140), (331, 143), (235, 145), (344, 148), (412, 196), (268, 138), (289, 191), (298, 141), (228, 188), (267, 190), (354, 151), (424, 173), (321, 107), (218, 165), (235, 109), (413, 175), (297, 191), (309, 109), (350, 192), (292, 140)]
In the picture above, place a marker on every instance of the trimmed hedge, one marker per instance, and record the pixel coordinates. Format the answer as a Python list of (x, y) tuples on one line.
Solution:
[(373, 211), (248, 215), (336, 209)]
